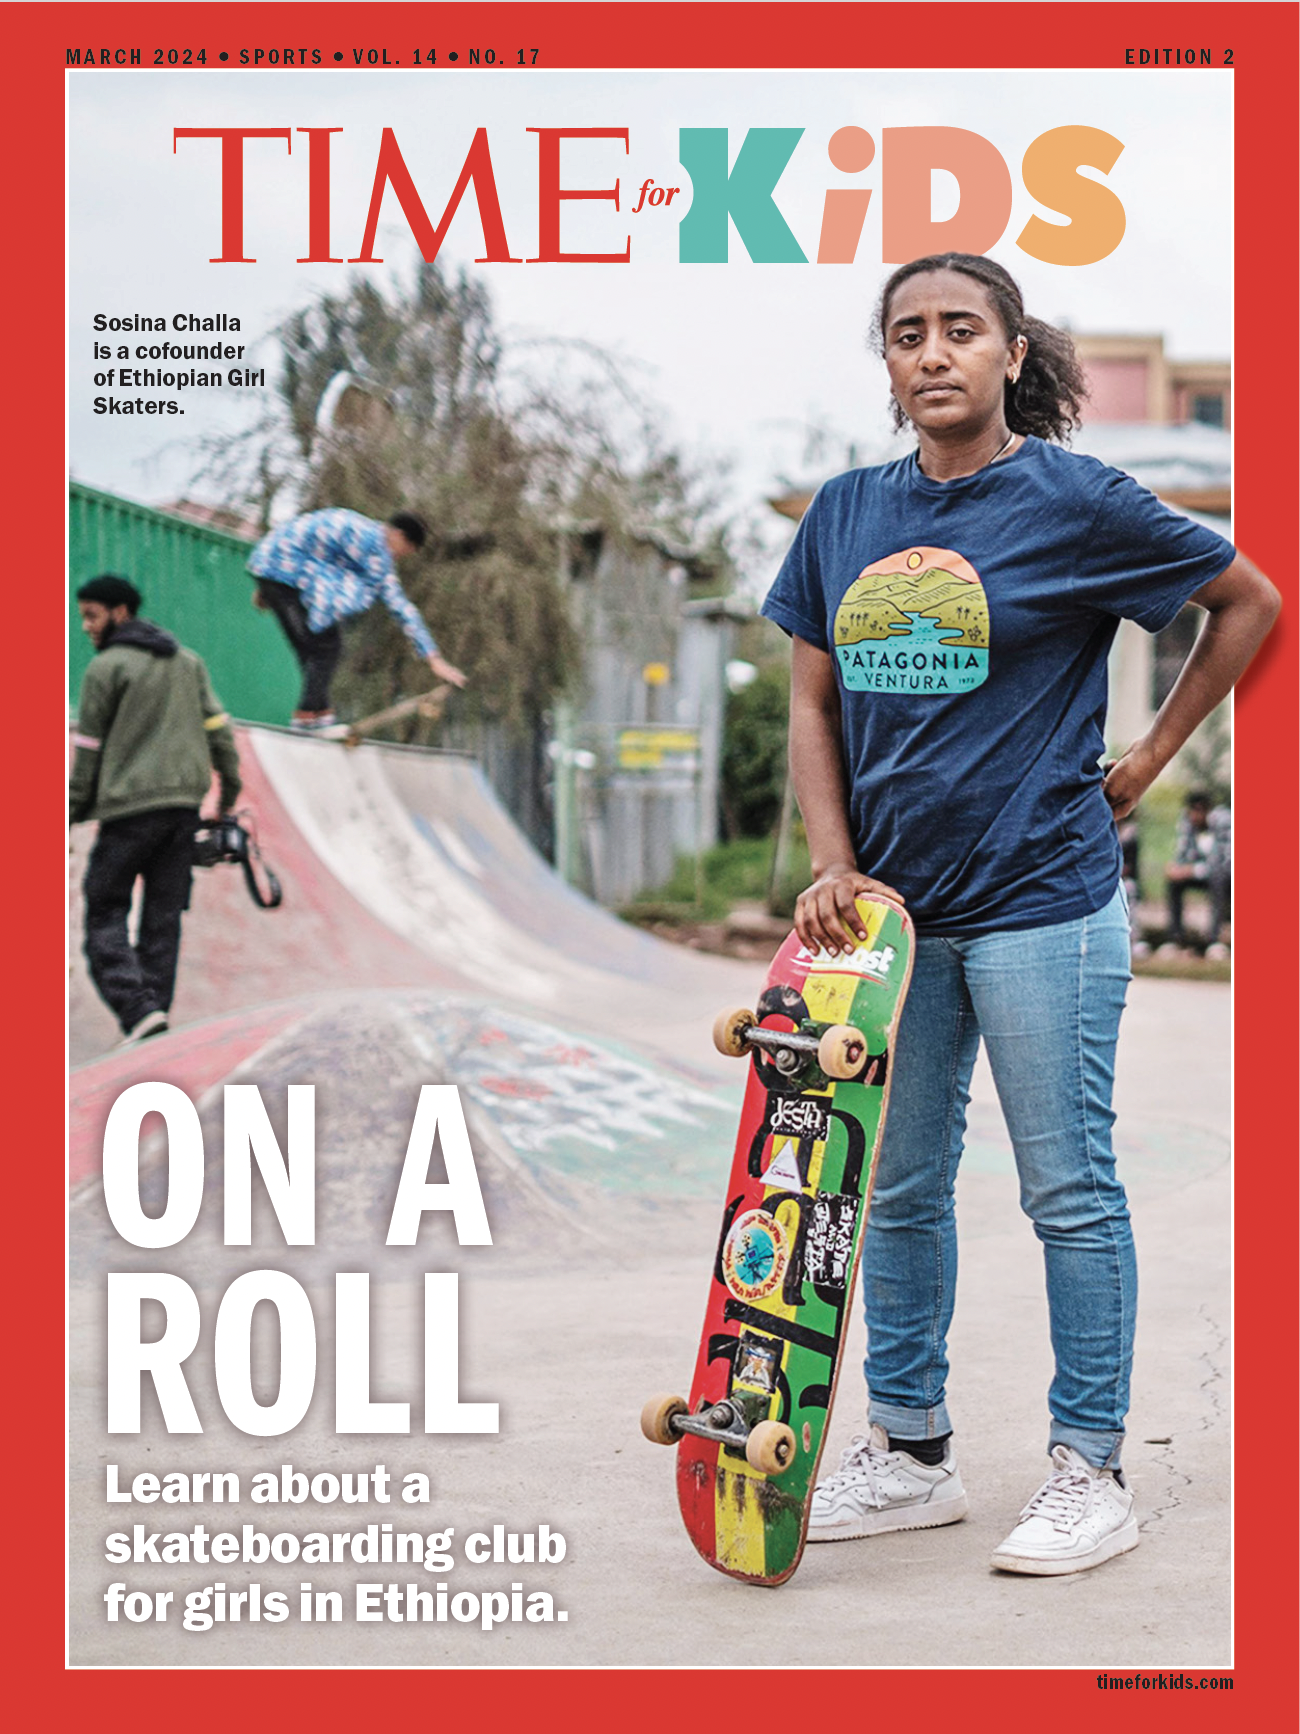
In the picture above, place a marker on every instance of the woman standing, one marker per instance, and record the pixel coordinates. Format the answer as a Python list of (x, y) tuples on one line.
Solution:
[(951, 615)]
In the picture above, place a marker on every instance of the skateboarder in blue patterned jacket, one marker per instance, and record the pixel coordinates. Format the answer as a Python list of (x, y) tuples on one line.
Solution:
[(325, 567)]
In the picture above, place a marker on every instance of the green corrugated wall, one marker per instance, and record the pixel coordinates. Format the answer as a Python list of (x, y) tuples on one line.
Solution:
[(194, 582)]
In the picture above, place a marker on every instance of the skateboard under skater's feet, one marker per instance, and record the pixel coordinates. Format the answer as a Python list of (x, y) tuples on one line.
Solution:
[(429, 705)]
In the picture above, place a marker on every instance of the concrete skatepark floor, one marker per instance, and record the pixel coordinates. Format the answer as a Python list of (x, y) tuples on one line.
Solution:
[(591, 1294)]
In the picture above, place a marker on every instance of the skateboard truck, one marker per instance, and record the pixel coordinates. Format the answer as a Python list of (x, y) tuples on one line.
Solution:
[(768, 1446), (838, 1050)]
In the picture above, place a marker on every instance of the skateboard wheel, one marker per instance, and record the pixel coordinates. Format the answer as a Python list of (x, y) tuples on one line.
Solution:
[(729, 1032), (770, 1448), (657, 1416), (841, 1051)]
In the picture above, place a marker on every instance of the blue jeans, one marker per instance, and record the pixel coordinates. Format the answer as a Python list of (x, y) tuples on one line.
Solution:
[(1047, 1001)]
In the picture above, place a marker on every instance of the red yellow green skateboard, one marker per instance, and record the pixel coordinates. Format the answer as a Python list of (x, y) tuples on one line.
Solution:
[(750, 1438)]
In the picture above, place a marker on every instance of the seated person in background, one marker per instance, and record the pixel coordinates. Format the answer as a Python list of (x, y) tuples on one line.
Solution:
[(1131, 878), (1202, 861)]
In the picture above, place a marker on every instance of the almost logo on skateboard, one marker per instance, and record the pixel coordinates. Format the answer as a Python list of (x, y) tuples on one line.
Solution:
[(868, 958), (755, 1255), (861, 961)]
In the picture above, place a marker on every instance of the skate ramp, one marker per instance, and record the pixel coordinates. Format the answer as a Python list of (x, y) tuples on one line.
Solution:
[(235, 956), (568, 1130), (413, 904), (423, 844)]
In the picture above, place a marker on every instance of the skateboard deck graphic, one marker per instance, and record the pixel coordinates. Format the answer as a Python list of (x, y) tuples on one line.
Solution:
[(750, 1439)]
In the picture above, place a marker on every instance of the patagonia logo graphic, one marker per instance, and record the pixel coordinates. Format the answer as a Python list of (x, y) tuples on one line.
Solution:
[(915, 622)]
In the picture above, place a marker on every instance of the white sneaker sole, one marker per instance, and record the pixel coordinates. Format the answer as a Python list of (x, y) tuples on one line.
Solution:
[(932, 1515), (1122, 1540), (158, 1026)]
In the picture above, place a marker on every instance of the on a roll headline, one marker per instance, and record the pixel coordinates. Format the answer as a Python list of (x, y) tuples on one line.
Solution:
[(289, 1178)]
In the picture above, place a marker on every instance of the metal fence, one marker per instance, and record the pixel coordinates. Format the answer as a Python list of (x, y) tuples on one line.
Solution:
[(195, 582)]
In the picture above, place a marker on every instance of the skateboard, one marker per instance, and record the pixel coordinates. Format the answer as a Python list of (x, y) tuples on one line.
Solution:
[(750, 1439), (429, 705)]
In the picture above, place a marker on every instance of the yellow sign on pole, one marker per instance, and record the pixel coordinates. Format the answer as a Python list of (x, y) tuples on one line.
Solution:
[(658, 749), (656, 674)]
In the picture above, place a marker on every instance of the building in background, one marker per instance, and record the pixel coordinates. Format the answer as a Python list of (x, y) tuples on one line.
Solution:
[(638, 747), (1168, 424), (1131, 379), (228, 518)]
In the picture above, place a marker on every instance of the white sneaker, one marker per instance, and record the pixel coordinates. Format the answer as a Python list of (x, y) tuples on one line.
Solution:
[(876, 1490), (153, 1023), (1079, 1517)]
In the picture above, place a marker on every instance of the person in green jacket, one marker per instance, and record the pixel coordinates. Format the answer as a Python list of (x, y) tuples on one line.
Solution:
[(150, 732)]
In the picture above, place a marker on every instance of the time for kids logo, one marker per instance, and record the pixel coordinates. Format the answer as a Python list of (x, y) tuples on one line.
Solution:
[(914, 622)]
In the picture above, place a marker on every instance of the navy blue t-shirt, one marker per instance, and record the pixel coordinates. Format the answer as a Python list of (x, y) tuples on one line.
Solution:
[(969, 623)]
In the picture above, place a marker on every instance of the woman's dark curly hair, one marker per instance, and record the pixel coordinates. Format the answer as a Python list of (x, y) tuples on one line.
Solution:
[(1046, 399)]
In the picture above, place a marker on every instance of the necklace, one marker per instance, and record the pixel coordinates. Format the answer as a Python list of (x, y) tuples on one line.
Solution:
[(997, 454)]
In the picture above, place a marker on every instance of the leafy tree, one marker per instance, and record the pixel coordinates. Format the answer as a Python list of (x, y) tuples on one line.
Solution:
[(424, 413), (422, 428), (387, 400), (1207, 758), (754, 753)]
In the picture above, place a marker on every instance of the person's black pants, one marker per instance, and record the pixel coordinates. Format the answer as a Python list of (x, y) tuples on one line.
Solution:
[(158, 848), (317, 652), (1218, 888)]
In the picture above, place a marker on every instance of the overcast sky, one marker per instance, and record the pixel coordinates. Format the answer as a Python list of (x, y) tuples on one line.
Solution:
[(741, 357)]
